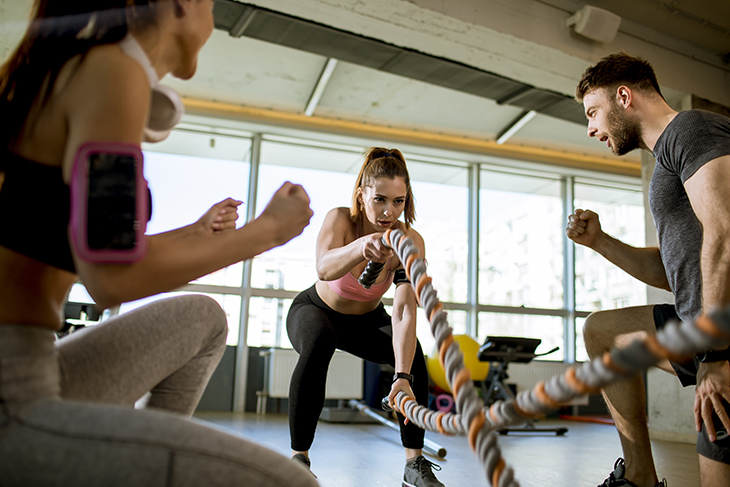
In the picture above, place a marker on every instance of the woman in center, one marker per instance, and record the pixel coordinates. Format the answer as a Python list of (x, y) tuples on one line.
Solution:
[(339, 313)]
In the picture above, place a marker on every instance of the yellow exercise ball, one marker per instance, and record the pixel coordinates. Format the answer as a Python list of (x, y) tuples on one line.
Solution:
[(470, 348)]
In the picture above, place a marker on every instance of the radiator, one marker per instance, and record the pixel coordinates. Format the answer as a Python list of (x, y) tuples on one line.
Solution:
[(344, 378), (526, 376)]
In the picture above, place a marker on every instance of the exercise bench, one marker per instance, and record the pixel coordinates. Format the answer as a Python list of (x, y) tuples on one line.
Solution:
[(500, 352)]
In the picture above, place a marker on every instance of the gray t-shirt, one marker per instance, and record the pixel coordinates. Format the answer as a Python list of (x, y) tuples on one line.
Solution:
[(692, 139)]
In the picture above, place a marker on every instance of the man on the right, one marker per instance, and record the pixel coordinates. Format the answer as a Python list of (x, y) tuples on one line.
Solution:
[(689, 198)]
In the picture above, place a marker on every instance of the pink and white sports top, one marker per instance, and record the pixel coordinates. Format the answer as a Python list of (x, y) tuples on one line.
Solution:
[(347, 286)]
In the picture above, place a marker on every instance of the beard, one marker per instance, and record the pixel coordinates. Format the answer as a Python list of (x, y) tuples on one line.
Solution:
[(625, 132)]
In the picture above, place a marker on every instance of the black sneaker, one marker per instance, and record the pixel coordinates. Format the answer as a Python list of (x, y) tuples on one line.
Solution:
[(419, 473), (302, 458), (616, 478)]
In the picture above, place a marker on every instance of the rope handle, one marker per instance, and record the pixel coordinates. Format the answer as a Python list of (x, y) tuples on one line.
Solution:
[(373, 269)]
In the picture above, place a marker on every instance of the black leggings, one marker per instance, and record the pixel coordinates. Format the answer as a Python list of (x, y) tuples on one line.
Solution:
[(315, 331)]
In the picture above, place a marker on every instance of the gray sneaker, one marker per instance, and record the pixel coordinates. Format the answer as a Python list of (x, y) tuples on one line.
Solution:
[(303, 460), (419, 473)]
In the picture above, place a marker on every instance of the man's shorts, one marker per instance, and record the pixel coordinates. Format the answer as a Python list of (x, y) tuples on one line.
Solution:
[(718, 450)]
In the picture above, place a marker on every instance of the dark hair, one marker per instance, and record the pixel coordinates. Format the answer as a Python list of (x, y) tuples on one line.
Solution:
[(389, 163), (58, 31), (615, 70)]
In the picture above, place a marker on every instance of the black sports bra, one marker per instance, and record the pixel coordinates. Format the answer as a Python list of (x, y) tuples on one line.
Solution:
[(34, 211), (35, 207)]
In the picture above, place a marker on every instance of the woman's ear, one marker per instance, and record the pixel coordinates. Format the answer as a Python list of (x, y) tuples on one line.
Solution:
[(182, 7)]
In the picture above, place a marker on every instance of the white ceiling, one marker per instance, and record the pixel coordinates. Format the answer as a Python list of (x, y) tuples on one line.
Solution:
[(265, 75), (254, 73)]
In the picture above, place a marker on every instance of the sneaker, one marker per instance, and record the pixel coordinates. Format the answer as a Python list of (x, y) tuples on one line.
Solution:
[(419, 473), (302, 458), (616, 478)]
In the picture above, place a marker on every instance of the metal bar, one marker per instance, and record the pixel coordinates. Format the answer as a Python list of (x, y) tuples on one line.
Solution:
[(515, 125), (430, 446), (472, 327), (240, 381), (568, 274), (321, 85), (522, 310)]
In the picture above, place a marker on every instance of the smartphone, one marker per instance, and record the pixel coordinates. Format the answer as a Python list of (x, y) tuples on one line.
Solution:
[(109, 203)]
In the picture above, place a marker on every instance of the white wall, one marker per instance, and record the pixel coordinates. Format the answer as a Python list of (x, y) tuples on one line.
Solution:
[(14, 15)]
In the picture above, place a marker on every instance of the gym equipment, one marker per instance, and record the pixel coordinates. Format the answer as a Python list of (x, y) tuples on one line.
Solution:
[(430, 446), (677, 341), (470, 347), (444, 403), (78, 316), (501, 351)]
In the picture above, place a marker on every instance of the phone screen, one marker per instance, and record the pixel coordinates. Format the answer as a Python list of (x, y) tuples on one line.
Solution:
[(112, 199)]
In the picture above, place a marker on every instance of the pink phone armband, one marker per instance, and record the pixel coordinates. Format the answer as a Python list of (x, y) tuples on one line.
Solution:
[(109, 203)]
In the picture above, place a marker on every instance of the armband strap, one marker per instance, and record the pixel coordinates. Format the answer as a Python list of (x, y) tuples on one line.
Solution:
[(400, 276), (109, 203), (714, 356)]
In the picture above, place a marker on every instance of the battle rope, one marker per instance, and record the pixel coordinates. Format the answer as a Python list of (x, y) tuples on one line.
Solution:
[(676, 341)]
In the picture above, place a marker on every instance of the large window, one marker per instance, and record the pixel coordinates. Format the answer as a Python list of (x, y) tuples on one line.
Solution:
[(187, 174), (547, 328), (327, 176), (521, 243), (442, 209), (598, 283), (521, 258), (521, 269)]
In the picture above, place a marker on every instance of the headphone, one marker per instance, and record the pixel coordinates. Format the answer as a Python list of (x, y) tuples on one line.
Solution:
[(166, 107)]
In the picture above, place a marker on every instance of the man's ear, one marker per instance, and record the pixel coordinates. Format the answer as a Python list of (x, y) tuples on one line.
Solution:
[(624, 96)]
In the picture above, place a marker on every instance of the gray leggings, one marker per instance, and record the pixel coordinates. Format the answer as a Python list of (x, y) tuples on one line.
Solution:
[(66, 407)]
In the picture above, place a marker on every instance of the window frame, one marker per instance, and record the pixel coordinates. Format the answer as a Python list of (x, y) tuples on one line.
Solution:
[(567, 177)]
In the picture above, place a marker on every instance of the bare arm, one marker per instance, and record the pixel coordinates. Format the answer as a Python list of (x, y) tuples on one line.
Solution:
[(643, 263), (334, 258), (173, 262), (109, 84), (707, 191), (404, 326)]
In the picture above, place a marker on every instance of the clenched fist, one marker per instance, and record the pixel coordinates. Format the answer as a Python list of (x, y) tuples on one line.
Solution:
[(288, 212)]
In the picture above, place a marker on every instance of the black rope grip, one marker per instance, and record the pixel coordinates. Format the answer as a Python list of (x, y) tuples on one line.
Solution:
[(370, 274)]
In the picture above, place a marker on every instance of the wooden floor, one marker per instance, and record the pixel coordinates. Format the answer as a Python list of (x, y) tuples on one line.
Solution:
[(370, 455)]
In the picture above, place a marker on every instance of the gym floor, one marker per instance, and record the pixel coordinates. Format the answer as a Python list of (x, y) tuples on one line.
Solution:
[(370, 455)]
